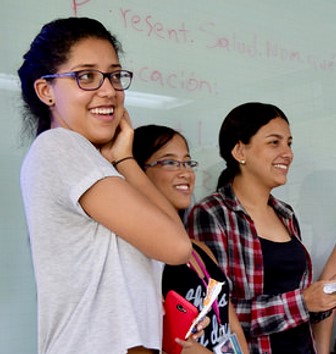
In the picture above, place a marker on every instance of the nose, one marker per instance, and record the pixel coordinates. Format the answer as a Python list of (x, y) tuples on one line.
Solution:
[(288, 152), (185, 172), (107, 89), (188, 176)]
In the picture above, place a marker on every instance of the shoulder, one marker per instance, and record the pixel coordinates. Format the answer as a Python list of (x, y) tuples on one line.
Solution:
[(211, 201), (223, 198), (281, 207), (55, 142), (206, 249), (63, 152), (63, 137), (214, 206)]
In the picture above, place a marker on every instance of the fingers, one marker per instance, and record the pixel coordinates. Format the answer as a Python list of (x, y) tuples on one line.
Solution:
[(204, 323), (184, 343), (121, 144), (316, 299), (200, 328), (192, 347), (125, 126), (127, 117)]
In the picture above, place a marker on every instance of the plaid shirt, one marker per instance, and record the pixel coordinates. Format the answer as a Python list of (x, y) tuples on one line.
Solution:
[(222, 223)]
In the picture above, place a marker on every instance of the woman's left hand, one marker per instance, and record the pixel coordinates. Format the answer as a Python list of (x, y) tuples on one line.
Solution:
[(122, 142)]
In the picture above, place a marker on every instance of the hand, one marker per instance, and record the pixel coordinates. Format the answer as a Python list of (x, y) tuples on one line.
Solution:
[(200, 328), (316, 299), (192, 347), (121, 144)]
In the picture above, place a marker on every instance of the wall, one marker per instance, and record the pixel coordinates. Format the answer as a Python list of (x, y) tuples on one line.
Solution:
[(193, 62)]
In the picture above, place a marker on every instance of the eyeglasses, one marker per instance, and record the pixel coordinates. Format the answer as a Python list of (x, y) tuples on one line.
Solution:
[(90, 80), (173, 165)]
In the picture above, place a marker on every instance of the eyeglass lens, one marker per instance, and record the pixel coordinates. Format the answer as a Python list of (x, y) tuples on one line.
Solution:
[(174, 164), (92, 80)]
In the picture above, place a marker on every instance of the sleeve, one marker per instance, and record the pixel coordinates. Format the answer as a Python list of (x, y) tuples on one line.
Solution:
[(266, 314), (203, 226), (66, 165), (259, 315)]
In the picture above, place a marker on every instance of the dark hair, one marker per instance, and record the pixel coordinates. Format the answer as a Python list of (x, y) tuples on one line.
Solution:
[(241, 124), (150, 138), (50, 49)]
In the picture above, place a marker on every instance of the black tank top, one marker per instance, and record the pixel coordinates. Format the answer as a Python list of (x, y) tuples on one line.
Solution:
[(187, 283), (284, 265)]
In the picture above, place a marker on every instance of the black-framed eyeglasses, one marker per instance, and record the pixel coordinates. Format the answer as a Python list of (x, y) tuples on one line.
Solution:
[(90, 80), (173, 165)]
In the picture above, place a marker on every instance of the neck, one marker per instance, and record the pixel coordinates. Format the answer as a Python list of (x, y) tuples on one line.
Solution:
[(250, 195)]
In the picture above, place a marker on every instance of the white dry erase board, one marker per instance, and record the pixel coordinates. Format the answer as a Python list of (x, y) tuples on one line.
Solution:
[(194, 60)]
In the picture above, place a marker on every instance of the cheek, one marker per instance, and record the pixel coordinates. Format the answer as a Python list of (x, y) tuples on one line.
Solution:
[(292, 155), (73, 100), (121, 96), (192, 181), (158, 179), (163, 184)]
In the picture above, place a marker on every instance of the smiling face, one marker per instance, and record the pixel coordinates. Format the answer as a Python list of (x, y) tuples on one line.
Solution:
[(177, 186), (268, 155), (94, 114)]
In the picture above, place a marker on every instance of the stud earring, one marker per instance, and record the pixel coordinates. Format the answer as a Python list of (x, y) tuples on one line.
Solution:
[(242, 162), (51, 101)]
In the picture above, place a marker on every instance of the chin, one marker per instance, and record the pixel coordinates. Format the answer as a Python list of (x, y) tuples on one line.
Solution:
[(280, 183), (180, 201), (182, 206)]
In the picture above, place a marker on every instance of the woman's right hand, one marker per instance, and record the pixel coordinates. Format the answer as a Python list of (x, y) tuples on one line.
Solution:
[(316, 299), (192, 347)]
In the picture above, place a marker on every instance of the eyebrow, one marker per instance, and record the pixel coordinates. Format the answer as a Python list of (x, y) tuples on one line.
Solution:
[(93, 66), (172, 155), (279, 136)]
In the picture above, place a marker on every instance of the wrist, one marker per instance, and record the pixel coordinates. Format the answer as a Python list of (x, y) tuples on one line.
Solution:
[(117, 162)]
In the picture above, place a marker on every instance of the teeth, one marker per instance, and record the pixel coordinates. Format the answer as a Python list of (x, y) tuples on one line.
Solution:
[(283, 167), (102, 110), (183, 187)]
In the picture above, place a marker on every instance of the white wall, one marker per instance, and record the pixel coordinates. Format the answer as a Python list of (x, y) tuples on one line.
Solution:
[(204, 58)]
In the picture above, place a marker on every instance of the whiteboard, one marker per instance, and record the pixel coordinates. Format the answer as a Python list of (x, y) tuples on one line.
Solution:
[(193, 62)]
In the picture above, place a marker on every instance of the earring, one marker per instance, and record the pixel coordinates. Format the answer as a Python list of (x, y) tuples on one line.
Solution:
[(242, 162), (51, 101)]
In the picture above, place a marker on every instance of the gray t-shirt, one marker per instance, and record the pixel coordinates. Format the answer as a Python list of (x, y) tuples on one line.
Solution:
[(96, 293)]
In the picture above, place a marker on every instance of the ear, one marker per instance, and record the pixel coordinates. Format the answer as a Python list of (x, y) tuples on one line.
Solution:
[(44, 91), (238, 152)]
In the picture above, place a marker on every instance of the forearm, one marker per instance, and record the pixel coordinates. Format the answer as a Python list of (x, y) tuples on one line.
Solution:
[(236, 328), (322, 334), (323, 330), (138, 179)]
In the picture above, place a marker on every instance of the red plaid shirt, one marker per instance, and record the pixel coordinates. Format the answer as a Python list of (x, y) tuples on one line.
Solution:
[(222, 223)]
